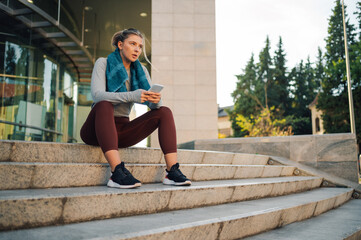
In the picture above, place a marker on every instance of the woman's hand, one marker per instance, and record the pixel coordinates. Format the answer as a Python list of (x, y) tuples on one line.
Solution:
[(154, 97), (150, 97)]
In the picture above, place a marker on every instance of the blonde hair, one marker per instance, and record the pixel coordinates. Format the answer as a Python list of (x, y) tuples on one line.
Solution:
[(124, 34)]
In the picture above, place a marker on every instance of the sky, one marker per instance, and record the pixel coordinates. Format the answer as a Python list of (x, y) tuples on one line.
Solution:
[(242, 27)]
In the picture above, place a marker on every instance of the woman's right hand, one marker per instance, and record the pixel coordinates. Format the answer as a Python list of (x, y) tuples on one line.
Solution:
[(150, 96)]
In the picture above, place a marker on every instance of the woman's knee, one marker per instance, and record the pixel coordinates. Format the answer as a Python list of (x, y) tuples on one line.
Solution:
[(165, 110), (85, 135)]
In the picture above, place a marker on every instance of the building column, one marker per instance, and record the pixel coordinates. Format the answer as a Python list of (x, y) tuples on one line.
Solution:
[(184, 59)]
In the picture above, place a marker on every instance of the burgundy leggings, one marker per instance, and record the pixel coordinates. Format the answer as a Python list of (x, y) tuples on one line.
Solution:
[(102, 129)]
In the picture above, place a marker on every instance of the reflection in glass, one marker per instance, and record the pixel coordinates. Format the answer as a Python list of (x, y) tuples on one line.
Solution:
[(68, 85), (28, 94), (84, 95)]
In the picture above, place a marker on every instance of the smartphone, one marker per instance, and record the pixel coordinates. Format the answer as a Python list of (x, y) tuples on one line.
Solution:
[(156, 88)]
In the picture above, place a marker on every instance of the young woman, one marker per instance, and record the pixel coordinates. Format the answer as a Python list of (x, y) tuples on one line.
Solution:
[(118, 82)]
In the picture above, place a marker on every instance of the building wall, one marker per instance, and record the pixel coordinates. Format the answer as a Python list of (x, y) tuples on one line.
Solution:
[(225, 126), (184, 61), (316, 114)]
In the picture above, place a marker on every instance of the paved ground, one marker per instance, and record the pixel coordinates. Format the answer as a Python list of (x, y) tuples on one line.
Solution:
[(336, 224)]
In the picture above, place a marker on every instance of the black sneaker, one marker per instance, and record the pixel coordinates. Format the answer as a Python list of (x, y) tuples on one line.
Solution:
[(176, 177), (125, 170), (122, 178)]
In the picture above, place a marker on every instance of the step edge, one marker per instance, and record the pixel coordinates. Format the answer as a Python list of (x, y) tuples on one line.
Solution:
[(181, 227), (278, 180), (237, 217), (161, 208)]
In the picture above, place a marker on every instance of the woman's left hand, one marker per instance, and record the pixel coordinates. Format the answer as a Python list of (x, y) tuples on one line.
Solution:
[(153, 97)]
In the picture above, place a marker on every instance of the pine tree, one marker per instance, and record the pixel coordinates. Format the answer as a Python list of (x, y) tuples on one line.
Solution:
[(355, 64), (333, 100), (250, 95), (261, 86), (265, 74), (280, 87), (299, 90), (335, 49), (358, 16), (311, 84), (304, 90), (244, 95), (319, 70)]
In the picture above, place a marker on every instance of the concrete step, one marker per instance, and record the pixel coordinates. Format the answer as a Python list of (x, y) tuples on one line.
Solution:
[(41, 207), (20, 151), (15, 175), (341, 223), (226, 221)]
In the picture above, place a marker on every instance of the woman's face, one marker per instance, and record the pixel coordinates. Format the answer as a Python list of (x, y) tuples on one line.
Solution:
[(131, 48)]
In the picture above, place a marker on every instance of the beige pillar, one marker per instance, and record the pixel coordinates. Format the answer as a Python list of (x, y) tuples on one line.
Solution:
[(184, 53)]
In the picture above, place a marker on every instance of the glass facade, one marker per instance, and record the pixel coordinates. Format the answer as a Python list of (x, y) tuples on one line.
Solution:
[(35, 91), (47, 50)]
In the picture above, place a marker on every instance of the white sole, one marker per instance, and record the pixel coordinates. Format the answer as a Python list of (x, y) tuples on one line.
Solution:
[(167, 181), (116, 185)]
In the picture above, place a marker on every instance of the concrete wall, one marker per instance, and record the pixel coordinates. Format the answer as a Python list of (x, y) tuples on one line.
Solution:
[(332, 153), (184, 55)]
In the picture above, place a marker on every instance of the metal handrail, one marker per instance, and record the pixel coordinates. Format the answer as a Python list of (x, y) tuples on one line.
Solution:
[(29, 126), (21, 77)]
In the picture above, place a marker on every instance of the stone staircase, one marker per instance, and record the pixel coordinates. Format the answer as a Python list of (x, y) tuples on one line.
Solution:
[(57, 191)]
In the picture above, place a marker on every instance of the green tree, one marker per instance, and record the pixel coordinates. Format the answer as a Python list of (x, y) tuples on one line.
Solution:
[(260, 87), (303, 93), (244, 95), (265, 74), (358, 16), (333, 100), (355, 65), (280, 87), (319, 70), (250, 95), (310, 84)]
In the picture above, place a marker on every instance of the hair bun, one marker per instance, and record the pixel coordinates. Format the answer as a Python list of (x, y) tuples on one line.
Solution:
[(124, 34)]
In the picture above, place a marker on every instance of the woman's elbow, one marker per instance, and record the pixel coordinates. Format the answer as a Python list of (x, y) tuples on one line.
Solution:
[(96, 97)]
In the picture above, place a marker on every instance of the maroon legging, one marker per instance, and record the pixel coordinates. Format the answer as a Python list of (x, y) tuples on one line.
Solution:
[(102, 129)]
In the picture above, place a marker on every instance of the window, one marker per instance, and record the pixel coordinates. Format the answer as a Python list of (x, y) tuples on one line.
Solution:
[(317, 125)]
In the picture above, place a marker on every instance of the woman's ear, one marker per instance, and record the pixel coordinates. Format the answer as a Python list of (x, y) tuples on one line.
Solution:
[(120, 45)]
